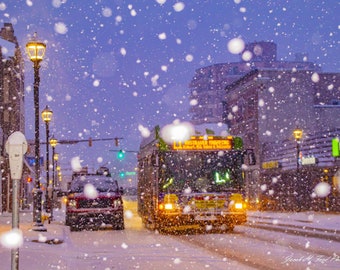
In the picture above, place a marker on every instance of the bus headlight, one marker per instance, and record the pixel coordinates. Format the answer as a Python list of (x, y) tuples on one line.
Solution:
[(170, 203), (169, 206), (239, 205)]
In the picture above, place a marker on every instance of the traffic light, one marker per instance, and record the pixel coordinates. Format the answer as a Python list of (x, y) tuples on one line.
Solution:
[(116, 141), (122, 174), (120, 154), (29, 179), (90, 142)]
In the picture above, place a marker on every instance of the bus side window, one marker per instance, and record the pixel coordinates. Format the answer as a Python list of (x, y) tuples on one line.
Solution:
[(154, 160), (251, 157)]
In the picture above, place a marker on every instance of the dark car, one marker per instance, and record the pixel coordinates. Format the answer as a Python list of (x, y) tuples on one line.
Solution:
[(93, 201)]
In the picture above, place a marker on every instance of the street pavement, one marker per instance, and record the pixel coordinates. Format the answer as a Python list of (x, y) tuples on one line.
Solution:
[(310, 223), (56, 251)]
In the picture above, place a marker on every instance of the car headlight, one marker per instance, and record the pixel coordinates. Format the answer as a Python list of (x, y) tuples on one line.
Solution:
[(117, 203), (72, 203)]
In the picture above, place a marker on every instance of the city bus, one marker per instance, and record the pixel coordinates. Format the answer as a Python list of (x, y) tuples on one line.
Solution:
[(192, 184)]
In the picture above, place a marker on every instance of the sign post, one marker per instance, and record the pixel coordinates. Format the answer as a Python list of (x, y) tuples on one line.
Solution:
[(16, 147)]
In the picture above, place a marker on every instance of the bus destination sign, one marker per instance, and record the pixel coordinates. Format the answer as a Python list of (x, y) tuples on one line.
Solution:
[(204, 143)]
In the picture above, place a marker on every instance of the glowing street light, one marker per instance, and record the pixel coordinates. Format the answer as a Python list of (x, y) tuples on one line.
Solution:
[(53, 143), (36, 51), (297, 133), (46, 115)]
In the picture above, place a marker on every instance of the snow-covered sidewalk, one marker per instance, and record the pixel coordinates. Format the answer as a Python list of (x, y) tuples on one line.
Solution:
[(54, 234), (311, 219)]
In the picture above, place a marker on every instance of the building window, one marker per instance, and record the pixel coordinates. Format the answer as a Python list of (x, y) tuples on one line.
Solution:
[(335, 102)]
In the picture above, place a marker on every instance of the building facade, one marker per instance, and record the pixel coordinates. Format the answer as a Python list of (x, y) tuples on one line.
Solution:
[(264, 107), (208, 85), (263, 100), (12, 115)]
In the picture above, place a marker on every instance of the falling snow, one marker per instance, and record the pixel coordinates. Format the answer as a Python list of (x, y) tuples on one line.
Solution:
[(118, 69)]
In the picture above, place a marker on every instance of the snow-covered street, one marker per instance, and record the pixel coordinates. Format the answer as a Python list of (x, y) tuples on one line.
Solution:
[(248, 247)]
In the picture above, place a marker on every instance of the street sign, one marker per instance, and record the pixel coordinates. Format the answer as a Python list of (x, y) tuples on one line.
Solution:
[(335, 147)]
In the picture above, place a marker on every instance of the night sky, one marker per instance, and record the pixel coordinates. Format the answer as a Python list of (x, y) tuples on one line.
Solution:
[(114, 66)]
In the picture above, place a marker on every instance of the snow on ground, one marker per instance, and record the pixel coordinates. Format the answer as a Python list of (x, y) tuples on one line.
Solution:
[(320, 220), (133, 248)]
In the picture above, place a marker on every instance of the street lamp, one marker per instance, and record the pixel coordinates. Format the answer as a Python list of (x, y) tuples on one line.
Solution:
[(55, 169), (59, 175), (53, 143), (46, 115), (297, 133), (36, 51)]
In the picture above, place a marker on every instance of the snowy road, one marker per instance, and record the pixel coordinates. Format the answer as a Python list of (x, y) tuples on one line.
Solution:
[(248, 247), (143, 250), (138, 248)]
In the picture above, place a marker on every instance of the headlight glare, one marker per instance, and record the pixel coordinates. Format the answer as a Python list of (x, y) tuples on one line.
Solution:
[(72, 203), (168, 206), (238, 205)]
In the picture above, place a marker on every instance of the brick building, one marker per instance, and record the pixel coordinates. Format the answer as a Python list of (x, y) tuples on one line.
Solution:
[(12, 115)]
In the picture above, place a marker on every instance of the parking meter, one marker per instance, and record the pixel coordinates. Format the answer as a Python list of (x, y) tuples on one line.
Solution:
[(16, 147)]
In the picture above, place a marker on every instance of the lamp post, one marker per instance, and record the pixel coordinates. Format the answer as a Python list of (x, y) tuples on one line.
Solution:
[(46, 115), (297, 133), (53, 143), (59, 176), (56, 169), (36, 51)]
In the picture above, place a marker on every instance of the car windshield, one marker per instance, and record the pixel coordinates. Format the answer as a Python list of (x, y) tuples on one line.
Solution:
[(101, 183)]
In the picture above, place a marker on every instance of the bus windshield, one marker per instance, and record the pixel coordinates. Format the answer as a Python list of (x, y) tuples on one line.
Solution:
[(185, 171)]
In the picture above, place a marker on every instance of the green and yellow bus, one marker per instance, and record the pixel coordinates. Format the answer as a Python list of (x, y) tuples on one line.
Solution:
[(197, 183)]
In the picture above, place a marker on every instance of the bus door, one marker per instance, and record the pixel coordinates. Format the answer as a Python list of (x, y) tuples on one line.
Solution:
[(154, 183)]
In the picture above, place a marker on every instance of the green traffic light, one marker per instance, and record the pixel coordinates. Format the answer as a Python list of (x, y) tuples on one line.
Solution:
[(121, 154), (122, 174)]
